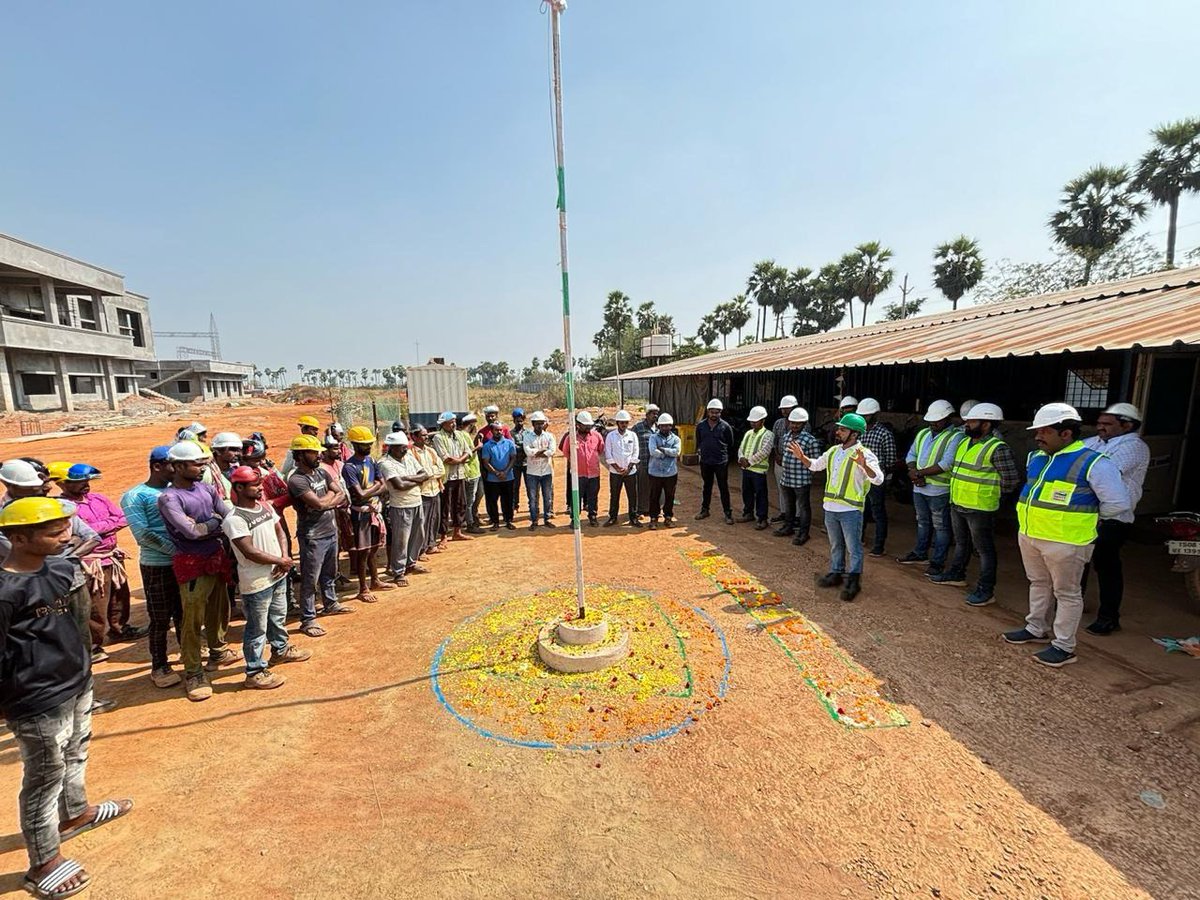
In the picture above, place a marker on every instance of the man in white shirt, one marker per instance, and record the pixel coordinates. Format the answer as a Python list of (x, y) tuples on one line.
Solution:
[(621, 456), (539, 446), (850, 469), (403, 475), (1117, 438)]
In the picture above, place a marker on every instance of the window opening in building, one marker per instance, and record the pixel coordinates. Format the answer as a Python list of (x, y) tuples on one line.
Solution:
[(65, 316), (1087, 388), (126, 385), (25, 303), (129, 324), (87, 313), (33, 384), (84, 384), (185, 387)]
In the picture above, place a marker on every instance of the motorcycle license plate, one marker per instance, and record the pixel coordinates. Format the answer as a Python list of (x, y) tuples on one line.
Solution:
[(1184, 548)]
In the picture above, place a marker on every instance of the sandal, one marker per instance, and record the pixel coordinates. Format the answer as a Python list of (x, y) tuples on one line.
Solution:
[(338, 609), (382, 587), (46, 887), (105, 812), (313, 630), (368, 597)]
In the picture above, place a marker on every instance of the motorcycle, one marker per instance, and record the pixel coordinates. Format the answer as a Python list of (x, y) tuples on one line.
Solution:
[(1183, 543)]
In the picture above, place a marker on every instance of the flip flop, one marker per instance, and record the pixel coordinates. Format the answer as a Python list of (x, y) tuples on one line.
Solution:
[(45, 888), (313, 630), (105, 812), (383, 587)]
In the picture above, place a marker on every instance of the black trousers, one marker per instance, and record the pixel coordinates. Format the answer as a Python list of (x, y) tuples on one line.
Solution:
[(1106, 560), (499, 497), (662, 495), (615, 483), (720, 473), (518, 485)]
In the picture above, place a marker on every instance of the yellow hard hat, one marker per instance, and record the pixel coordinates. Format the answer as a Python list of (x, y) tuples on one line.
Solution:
[(360, 434), (58, 470), (310, 421), (32, 511), (305, 442)]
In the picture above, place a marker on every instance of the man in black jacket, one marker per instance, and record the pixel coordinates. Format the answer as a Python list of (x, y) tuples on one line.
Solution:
[(46, 694), (715, 445)]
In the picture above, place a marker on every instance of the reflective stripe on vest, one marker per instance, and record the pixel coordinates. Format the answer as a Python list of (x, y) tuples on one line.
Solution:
[(974, 481), (1057, 503), (841, 485), (937, 448), (747, 452)]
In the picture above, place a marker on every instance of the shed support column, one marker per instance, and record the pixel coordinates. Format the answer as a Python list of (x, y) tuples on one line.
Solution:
[(50, 300), (110, 383), (64, 384)]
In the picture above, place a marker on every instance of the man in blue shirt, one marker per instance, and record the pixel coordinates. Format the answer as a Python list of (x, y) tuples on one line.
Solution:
[(662, 449), (715, 445), (498, 456), (930, 459), (155, 552)]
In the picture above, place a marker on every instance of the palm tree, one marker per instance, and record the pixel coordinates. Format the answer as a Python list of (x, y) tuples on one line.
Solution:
[(1170, 168), (761, 284), (867, 272), (1097, 209), (707, 331), (739, 314), (723, 321), (833, 289), (957, 267)]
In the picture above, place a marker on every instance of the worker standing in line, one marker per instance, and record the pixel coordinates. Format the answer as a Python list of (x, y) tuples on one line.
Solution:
[(850, 469), (930, 459), (797, 479), (779, 428), (715, 446), (983, 472), (621, 457), (754, 454), (662, 453), (879, 439), (1068, 489), (308, 425), (1117, 438)]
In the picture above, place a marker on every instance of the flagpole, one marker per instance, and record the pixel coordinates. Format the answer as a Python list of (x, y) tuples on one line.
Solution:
[(557, 7)]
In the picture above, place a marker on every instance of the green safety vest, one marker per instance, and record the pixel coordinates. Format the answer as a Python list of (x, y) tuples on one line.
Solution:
[(840, 484), (751, 442), (974, 481), (930, 448), (1057, 502)]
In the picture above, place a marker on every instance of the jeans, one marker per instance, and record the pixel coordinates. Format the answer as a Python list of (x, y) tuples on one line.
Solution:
[(163, 604), (266, 612), (720, 473), (933, 523), (796, 508), (499, 501), (975, 528), (431, 514), (1106, 560), (54, 754), (542, 486), (205, 603), (615, 483), (662, 495), (754, 494), (471, 498), (406, 537), (318, 570), (845, 532), (877, 512), (1055, 572)]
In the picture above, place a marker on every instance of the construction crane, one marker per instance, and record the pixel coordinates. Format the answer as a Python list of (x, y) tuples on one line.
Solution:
[(212, 334)]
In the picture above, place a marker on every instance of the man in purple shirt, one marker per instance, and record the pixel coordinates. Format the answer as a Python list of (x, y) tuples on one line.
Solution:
[(192, 512)]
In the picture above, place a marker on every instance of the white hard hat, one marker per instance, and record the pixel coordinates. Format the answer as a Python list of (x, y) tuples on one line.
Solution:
[(938, 410), (757, 414), (19, 473), (227, 440), (967, 406), (583, 417), (537, 416), (665, 419), (867, 406), (491, 407), (622, 416), (188, 451), (1052, 414), (715, 404), (848, 401), (652, 407), (1124, 411), (788, 402), (445, 417), (799, 414), (395, 439), (470, 417), (198, 428), (984, 412), (336, 428)]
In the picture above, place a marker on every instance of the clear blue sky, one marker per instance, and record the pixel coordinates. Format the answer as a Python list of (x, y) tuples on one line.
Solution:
[(338, 180)]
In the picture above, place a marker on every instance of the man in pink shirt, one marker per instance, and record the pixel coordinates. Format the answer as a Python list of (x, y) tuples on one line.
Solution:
[(589, 452), (105, 565)]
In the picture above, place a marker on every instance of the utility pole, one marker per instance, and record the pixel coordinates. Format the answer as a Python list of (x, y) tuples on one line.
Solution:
[(904, 298)]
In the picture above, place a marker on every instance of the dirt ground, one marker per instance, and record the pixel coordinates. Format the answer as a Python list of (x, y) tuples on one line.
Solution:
[(351, 780)]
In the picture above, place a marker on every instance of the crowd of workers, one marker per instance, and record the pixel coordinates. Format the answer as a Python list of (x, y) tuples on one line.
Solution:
[(210, 528)]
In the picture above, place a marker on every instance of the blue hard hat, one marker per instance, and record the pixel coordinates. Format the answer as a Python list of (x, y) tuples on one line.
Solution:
[(447, 416), (159, 453), (82, 472), (518, 411)]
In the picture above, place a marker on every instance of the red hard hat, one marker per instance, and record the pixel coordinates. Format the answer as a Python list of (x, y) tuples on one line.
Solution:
[(245, 475)]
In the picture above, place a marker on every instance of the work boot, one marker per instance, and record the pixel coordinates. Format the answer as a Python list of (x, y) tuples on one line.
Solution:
[(610, 521), (264, 680), (784, 530), (290, 653), (800, 540), (635, 522), (778, 518), (668, 522), (852, 588), (197, 687), (728, 518), (703, 514), (833, 579), (745, 517), (224, 657), (654, 523), (912, 559), (165, 677), (762, 525), (1103, 628)]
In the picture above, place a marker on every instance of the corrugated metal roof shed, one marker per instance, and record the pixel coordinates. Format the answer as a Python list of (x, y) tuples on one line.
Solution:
[(1158, 310)]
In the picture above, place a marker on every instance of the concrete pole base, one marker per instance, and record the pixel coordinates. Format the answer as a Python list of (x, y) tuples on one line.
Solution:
[(560, 648)]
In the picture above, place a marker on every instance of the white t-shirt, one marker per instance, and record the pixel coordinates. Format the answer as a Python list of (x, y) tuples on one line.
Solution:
[(390, 468), (259, 526)]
